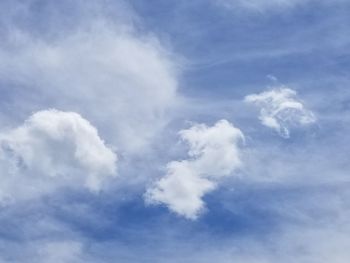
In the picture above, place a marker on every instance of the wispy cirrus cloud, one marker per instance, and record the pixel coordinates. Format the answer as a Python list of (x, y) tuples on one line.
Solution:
[(280, 109), (264, 6), (261, 5)]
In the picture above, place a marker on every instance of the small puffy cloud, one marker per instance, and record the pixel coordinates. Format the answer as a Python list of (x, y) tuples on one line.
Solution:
[(52, 149), (280, 109), (181, 189), (213, 152)]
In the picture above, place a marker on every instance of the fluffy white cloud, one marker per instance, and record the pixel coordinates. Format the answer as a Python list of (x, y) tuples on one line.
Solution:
[(50, 150), (214, 152), (181, 189), (280, 109)]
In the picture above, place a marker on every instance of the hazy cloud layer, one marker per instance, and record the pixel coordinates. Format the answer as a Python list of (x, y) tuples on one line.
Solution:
[(263, 6), (122, 80)]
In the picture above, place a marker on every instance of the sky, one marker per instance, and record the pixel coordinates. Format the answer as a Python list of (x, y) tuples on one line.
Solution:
[(174, 131)]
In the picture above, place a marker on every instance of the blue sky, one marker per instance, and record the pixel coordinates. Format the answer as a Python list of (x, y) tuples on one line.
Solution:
[(174, 131)]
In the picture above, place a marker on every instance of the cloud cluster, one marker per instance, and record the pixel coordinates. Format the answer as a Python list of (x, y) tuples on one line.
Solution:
[(53, 149), (213, 153), (123, 80), (280, 109)]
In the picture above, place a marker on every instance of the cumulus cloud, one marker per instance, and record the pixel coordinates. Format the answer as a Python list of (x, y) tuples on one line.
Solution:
[(50, 150), (280, 109), (213, 153), (122, 79)]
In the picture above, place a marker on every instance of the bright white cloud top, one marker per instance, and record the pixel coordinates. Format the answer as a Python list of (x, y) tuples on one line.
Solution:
[(50, 150), (280, 109), (214, 152)]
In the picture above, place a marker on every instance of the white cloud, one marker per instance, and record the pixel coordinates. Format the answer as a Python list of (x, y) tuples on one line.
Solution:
[(124, 81), (50, 150), (214, 152), (280, 109), (181, 189)]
